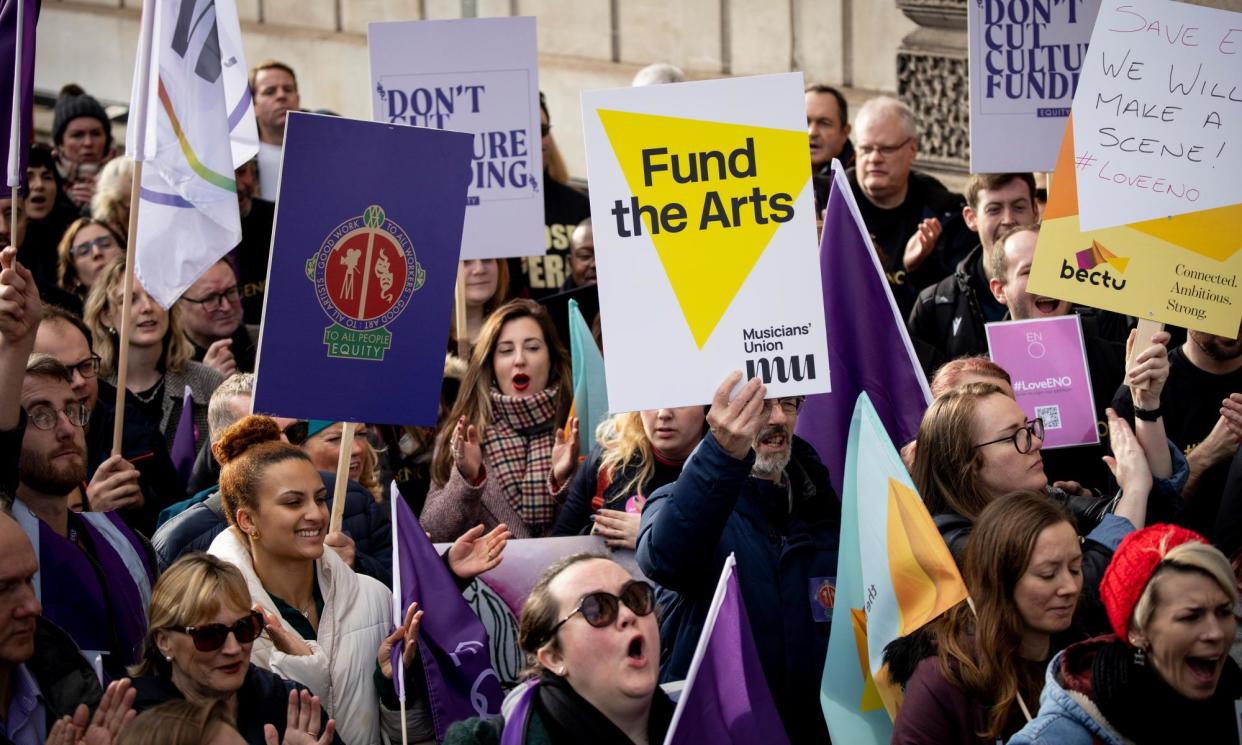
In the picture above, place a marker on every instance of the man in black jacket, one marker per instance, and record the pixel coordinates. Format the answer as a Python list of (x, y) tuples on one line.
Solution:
[(950, 315)]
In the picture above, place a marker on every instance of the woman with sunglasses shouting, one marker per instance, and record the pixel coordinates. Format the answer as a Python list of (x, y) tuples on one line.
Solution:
[(590, 636), (198, 649), (975, 444), (327, 627)]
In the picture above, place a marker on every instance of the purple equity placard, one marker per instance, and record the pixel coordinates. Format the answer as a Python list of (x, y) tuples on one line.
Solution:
[(362, 270), (1048, 365)]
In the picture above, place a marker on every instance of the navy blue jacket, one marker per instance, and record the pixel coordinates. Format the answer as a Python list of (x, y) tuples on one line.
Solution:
[(785, 540), (365, 521)]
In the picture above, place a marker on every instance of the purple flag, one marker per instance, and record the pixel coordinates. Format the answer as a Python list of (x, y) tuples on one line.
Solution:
[(185, 443), (868, 347), (452, 643), (726, 698), (17, 134)]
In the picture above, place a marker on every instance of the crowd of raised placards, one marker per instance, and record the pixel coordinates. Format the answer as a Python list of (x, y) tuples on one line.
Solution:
[(187, 579)]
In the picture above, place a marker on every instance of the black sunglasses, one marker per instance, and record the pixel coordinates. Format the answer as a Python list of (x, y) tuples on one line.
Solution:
[(600, 608), (212, 636)]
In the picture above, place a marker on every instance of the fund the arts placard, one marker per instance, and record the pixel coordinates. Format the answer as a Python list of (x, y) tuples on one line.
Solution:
[(704, 225), (478, 76)]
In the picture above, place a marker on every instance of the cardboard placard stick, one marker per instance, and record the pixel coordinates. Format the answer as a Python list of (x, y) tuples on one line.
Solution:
[(342, 476)]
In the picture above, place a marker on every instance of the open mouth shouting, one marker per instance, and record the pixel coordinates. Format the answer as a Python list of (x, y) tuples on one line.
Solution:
[(774, 438), (1046, 305), (521, 382), (636, 652)]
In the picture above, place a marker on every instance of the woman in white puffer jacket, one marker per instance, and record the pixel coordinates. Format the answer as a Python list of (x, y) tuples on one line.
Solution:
[(325, 622)]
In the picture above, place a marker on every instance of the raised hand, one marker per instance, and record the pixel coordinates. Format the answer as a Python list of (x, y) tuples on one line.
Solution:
[(1149, 370), (114, 486), (1128, 462), (565, 452), (20, 307), (474, 553), (301, 723), (467, 449), (618, 529), (343, 545), (408, 631), (281, 639), (220, 356), (921, 244), (734, 423)]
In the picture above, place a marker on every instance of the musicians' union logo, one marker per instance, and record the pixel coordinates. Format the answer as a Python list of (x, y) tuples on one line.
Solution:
[(365, 273)]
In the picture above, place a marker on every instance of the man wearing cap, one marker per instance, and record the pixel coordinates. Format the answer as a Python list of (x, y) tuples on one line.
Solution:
[(83, 136)]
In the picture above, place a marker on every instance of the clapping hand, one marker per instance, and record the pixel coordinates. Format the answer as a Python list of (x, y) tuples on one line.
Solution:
[(301, 723), (407, 631), (474, 553)]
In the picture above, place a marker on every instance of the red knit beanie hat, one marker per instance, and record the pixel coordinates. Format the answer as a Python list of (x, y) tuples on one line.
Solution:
[(1132, 567)]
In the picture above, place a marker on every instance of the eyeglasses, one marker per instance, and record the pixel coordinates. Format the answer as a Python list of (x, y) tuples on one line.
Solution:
[(215, 299), (790, 404), (600, 608), (43, 416), (544, 129), (886, 150), (103, 243), (212, 636), (87, 368), (1023, 439)]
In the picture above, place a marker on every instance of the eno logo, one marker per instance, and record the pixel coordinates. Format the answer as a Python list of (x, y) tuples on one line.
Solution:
[(1088, 271)]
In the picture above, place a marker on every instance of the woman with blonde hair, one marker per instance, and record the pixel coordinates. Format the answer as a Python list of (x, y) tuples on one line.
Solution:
[(202, 630), (502, 456), (160, 364), (87, 246), (110, 202), (638, 452)]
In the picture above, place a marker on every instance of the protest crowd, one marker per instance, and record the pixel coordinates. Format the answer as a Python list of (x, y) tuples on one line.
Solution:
[(187, 583)]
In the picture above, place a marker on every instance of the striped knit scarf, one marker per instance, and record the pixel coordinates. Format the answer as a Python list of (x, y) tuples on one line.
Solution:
[(518, 450)]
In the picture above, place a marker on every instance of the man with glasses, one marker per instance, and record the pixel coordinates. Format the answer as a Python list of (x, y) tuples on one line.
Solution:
[(143, 475), (96, 573), (753, 489), (911, 216), (211, 314)]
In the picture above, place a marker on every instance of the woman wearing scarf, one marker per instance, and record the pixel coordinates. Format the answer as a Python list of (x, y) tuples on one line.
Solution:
[(1166, 676), (502, 455)]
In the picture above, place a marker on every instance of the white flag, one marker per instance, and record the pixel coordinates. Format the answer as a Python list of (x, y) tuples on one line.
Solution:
[(199, 126)]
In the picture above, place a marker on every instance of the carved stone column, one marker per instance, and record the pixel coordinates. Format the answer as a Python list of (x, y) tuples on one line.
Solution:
[(932, 78)]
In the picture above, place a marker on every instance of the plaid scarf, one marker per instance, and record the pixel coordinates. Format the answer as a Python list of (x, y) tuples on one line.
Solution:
[(518, 450)]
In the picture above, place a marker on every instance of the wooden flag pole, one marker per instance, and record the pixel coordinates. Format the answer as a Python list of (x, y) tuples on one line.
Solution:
[(122, 364), (138, 122), (459, 315), (342, 476), (405, 733)]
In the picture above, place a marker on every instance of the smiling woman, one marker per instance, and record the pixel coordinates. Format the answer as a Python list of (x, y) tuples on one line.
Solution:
[(325, 624)]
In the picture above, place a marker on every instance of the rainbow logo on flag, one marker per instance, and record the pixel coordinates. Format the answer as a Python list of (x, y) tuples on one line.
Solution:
[(1090, 258)]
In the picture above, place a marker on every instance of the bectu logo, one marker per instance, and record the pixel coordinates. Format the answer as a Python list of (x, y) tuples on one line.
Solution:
[(1089, 260)]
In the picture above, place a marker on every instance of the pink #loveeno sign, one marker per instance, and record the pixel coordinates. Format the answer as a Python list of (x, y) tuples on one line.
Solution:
[(1048, 365)]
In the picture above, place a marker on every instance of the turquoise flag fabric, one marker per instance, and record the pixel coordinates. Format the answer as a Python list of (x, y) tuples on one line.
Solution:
[(590, 388), (852, 705)]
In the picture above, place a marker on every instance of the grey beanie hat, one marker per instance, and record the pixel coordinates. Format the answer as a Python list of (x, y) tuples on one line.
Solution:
[(69, 108)]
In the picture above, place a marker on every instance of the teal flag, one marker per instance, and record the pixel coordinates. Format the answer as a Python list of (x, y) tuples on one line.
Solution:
[(590, 388), (852, 706)]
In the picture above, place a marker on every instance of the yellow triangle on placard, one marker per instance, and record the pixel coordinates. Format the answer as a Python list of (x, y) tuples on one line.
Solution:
[(707, 267), (1119, 262)]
